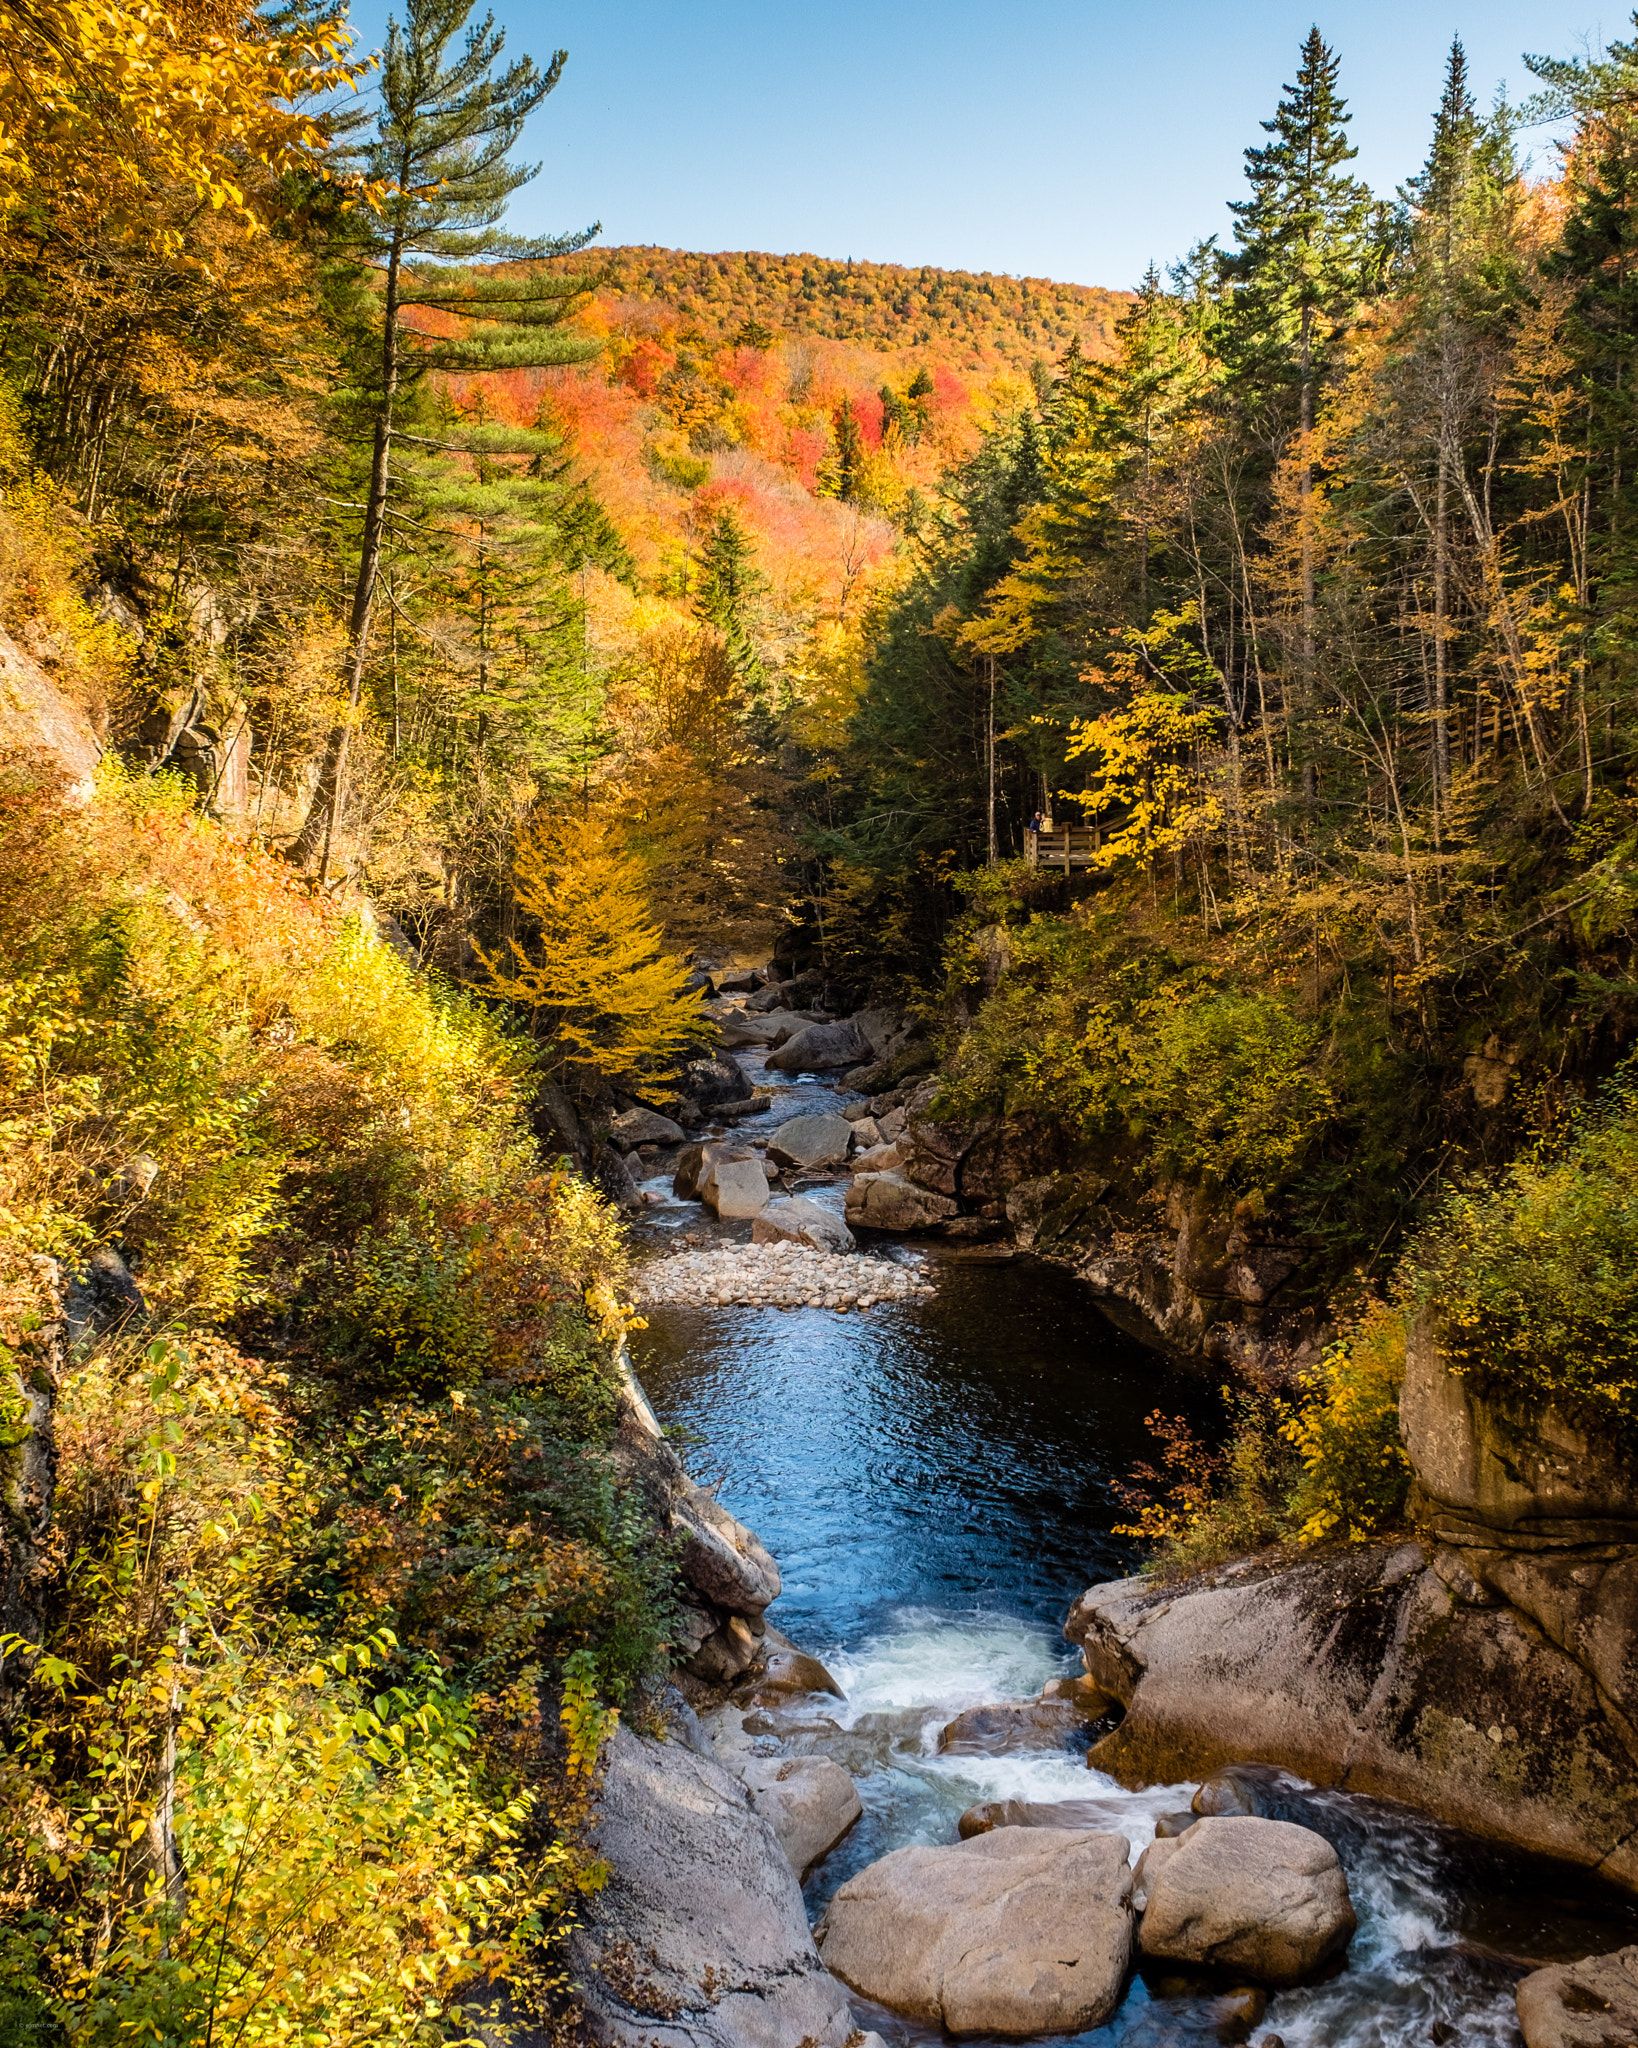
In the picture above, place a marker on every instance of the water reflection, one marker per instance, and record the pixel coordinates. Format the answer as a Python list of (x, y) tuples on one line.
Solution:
[(958, 1453)]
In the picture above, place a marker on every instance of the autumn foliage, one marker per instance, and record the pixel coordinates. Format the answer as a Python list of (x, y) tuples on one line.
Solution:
[(613, 1004)]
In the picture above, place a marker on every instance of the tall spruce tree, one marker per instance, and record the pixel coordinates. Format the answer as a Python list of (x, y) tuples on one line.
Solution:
[(727, 589), (1302, 234), (843, 471), (1157, 378), (1298, 273), (1597, 261), (498, 506), (1461, 273), (449, 117)]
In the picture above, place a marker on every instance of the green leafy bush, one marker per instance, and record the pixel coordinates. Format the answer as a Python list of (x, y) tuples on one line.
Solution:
[(1227, 1086), (349, 1574), (1531, 1278), (1222, 1085)]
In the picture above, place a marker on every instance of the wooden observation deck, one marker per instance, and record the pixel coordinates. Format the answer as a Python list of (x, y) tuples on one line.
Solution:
[(1063, 846)]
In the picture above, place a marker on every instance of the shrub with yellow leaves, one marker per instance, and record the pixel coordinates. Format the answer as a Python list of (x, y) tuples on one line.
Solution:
[(1354, 1473)]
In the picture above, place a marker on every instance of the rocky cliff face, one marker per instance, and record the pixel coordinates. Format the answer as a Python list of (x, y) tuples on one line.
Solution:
[(1484, 1672), (1192, 1273), (38, 724), (727, 1578)]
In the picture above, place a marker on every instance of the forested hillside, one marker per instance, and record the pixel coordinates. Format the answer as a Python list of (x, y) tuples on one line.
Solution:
[(965, 318), (818, 402)]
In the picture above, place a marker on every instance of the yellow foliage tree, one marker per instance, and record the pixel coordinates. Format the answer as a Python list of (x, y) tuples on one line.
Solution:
[(617, 1005), (1140, 751), (101, 99)]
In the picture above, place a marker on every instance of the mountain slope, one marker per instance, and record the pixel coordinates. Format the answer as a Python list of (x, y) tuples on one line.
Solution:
[(727, 380)]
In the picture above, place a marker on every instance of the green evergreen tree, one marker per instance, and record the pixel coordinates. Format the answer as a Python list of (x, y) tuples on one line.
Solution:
[(1157, 378), (1302, 234), (919, 393), (1597, 259), (1462, 271), (503, 526), (727, 591), (1298, 274), (843, 472), (450, 115), (897, 419)]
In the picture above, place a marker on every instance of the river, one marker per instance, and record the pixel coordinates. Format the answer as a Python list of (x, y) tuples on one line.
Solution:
[(938, 1480)]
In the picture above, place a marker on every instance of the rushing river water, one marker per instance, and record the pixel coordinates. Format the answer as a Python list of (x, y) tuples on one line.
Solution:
[(938, 1481)]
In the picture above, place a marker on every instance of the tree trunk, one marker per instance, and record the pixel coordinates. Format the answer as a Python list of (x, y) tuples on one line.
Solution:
[(1305, 628), (318, 831), (989, 757)]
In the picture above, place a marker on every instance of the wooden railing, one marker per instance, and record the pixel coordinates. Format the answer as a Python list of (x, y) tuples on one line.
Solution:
[(1065, 846)]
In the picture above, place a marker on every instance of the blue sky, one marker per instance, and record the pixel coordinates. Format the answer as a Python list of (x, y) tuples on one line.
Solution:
[(1073, 139)]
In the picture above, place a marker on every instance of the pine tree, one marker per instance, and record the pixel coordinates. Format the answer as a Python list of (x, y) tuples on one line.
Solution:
[(843, 471), (616, 1006), (1302, 234), (919, 394), (1298, 273), (1143, 398), (504, 526), (1598, 260), (1462, 270), (446, 126), (727, 589)]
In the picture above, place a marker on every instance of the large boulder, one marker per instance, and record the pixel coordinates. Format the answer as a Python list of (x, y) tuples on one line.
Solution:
[(933, 1152), (784, 1672), (736, 1189), (784, 1024), (887, 1201), (821, 1049), (1591, 2004), (1486, 1471), (714, 1081), (1023, 1931), (640, 1126), (808, 1801), (816, 1139), (41, 726), (735, 1031), (1011, 1726), (1387, 1669), (698, 1939), (719, 1557), (696, 1163), (791, 1220), (1263, 1898)]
